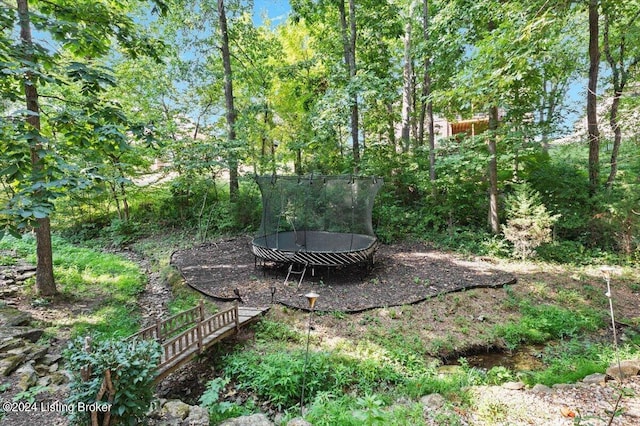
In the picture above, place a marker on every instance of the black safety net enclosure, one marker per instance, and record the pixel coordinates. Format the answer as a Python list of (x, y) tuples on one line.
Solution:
[(316, 220)]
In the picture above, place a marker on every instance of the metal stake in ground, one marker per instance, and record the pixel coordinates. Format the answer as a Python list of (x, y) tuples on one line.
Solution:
[(311, 298)]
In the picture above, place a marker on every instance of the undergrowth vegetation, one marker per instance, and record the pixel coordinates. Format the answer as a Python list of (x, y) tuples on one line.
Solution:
[(101, 288)]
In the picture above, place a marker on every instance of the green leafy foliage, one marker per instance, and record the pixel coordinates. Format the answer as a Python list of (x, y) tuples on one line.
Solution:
[(133, 368), (541, 323), (219, 410), (277, 376), (528, 221)]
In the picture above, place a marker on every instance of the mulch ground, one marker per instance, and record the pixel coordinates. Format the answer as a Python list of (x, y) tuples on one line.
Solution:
[(402, 274)]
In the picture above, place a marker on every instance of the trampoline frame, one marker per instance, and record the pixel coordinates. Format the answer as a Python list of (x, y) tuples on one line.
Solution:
[(281, 248)]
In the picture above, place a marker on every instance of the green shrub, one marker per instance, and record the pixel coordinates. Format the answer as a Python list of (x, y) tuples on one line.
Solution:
[(219, 410), (277, 376), (133, 369), (528, 221)]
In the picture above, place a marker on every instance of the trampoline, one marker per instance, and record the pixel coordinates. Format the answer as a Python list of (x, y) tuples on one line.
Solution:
[(316, 220)]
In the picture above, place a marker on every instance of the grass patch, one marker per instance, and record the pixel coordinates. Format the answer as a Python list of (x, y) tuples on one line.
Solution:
[(105, 283), (541, 323)]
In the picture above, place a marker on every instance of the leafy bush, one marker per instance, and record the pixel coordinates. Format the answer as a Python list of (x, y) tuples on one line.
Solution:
[(277, 377), (133, 368), (219, 410), (529, 223)]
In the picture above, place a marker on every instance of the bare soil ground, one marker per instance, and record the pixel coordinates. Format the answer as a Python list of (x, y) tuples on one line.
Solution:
[(403, 274)]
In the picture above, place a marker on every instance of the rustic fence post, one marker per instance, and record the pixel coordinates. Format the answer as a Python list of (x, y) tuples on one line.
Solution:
[(85, 372), (237, 315), (199, 323), (158, 330)]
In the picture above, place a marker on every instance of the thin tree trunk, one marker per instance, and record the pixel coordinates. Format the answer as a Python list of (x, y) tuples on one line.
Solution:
[(406, 89), (45, 282), (592, 114), (231, 111), (427, 104), (391, 126), (494, 221), (349, 44), (620, 75)]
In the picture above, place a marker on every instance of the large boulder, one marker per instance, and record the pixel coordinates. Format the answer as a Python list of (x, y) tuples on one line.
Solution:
[(626, 369)]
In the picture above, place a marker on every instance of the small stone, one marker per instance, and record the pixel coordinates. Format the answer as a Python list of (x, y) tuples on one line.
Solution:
[(253, 420), (59, 378), (44, 381), (50, 359), (53, 367), (626, 369), (432, 402), (540, 388), (564, 386), (298, 422), (595, 379), (513, 385)]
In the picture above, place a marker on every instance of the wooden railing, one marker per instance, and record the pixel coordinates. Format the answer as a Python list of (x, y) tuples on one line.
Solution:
[(186, 331)]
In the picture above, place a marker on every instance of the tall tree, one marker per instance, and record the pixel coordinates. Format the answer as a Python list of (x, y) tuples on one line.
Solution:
[(407, 78), (58, 86), (229, 103), (45, 282), (620, 25), (592, 87), (426, 111), (349, 36)]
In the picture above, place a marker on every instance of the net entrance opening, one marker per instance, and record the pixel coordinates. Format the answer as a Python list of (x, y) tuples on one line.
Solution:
[(316, 220)]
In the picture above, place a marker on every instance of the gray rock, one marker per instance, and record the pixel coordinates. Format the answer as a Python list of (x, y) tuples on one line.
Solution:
[(176, 408), (27, 377), (20, 332), (11, 363), (10, 317), (540, 388), (513, 385), (565, 386), (44, 381), (10, 344), (595, 379), (298, 421), (198, 416), (432, 402), (253, 420), (50, 359), (59, 378), (628, 368)]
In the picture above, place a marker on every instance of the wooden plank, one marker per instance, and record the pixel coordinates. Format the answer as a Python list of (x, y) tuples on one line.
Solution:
[(187, 341)]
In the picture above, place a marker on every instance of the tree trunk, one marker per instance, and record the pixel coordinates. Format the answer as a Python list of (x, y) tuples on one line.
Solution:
[(406, 89), (592, 114), (349, 43), (427, 104), (494, 221), (45, 282), (231, 111), (619, 75)]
